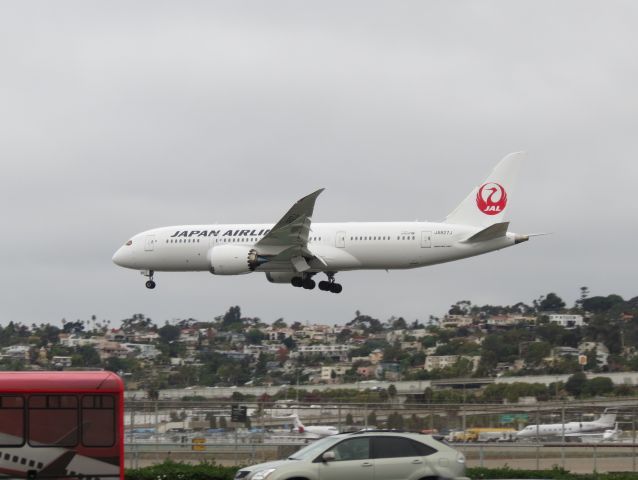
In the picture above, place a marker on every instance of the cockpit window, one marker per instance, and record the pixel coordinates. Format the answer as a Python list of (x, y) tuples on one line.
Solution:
[(129, 243)]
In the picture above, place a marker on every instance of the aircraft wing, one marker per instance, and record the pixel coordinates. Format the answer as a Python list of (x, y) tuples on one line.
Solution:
[(595, 434), (293, 229)]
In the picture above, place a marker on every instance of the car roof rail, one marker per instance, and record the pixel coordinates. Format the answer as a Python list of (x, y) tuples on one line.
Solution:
[(376, 430)]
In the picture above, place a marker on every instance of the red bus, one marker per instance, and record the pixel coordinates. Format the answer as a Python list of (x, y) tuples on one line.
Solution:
[(61, 425)]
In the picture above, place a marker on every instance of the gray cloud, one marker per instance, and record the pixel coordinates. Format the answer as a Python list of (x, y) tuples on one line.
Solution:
[(122, 116)]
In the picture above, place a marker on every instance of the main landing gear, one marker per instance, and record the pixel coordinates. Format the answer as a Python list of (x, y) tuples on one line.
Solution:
[(150, 284), (308, 283)]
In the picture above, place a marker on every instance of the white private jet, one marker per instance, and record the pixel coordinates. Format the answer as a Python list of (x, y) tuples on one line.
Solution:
[(295, 249), (311, 431), (601, 425)]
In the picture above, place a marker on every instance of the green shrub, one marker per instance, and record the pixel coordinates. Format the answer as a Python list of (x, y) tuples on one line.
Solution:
[(170, 470), (553, 474)]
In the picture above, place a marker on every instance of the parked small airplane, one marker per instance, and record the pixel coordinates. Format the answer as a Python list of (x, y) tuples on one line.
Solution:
[(608, 435), (569, 429), (316, 431), (294, 249)]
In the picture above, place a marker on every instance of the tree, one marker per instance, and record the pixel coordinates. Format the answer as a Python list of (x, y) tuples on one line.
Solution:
[(598, 386), (261, 368), (344, 335), (428, 395), (372, 419), (576, 383), (254, 336), (168, 333), (349, 419), (86, 356), (366, 323), (279, 323), (461, 307), (232, 319), (138, 322), (584, 293), (395, 421), (289, 343), (392, 391), (550, 303), (601, 304), (399, 324), (536, 352)]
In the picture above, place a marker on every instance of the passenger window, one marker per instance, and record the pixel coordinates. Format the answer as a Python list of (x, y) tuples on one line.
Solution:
[(53, 420), (98, 420), (422, 449), (393, 447), (12, 420), (352, 449)]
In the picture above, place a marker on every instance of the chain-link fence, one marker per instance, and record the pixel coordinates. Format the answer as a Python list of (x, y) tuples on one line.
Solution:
[(486, 433)]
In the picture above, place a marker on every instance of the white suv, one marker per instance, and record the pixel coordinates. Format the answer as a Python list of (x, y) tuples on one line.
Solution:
[(366, 455)]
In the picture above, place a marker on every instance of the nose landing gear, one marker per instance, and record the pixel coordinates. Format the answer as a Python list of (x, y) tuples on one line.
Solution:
[(150, 284)]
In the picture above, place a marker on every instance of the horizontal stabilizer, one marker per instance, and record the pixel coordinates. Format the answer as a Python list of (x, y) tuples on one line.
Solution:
[(496, 230)]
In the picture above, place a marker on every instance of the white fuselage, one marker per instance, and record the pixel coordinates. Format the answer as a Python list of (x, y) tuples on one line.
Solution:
[(558, 429), (336, 246)]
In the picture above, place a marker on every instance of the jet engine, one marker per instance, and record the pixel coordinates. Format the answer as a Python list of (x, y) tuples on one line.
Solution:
[(234, 260), (280, 277)]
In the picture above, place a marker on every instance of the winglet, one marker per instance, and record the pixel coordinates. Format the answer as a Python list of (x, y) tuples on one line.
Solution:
[(303, 206)]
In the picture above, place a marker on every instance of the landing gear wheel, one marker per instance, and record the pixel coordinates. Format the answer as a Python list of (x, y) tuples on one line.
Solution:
[(308, 283), (324, 286), (296, 281), (150, 284), (336, 288)]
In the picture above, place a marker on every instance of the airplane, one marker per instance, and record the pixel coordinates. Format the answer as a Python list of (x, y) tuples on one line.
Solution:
[(569, 429), (312, 431), (295, 249), (609, 435)]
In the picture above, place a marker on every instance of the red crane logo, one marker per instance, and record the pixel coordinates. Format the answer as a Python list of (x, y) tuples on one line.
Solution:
[(491, 199)]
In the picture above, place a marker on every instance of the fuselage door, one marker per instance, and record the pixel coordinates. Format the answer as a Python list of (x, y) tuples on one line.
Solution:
[(426, 239), (149, 243), (340, 241)]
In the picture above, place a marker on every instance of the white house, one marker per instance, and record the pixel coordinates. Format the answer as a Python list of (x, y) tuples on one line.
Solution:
[(566, 320)]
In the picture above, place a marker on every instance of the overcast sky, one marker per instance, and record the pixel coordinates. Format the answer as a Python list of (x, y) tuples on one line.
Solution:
[(116, 117)]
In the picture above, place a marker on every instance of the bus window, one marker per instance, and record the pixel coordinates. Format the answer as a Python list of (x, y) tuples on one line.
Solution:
[(11, 421), (98, 420), (53, 420)]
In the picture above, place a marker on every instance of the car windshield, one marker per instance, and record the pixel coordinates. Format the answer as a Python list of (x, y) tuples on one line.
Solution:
[(315, 448)]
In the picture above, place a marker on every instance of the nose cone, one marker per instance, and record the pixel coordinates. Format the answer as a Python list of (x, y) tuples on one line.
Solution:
[(118, 257), (124, 257)]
